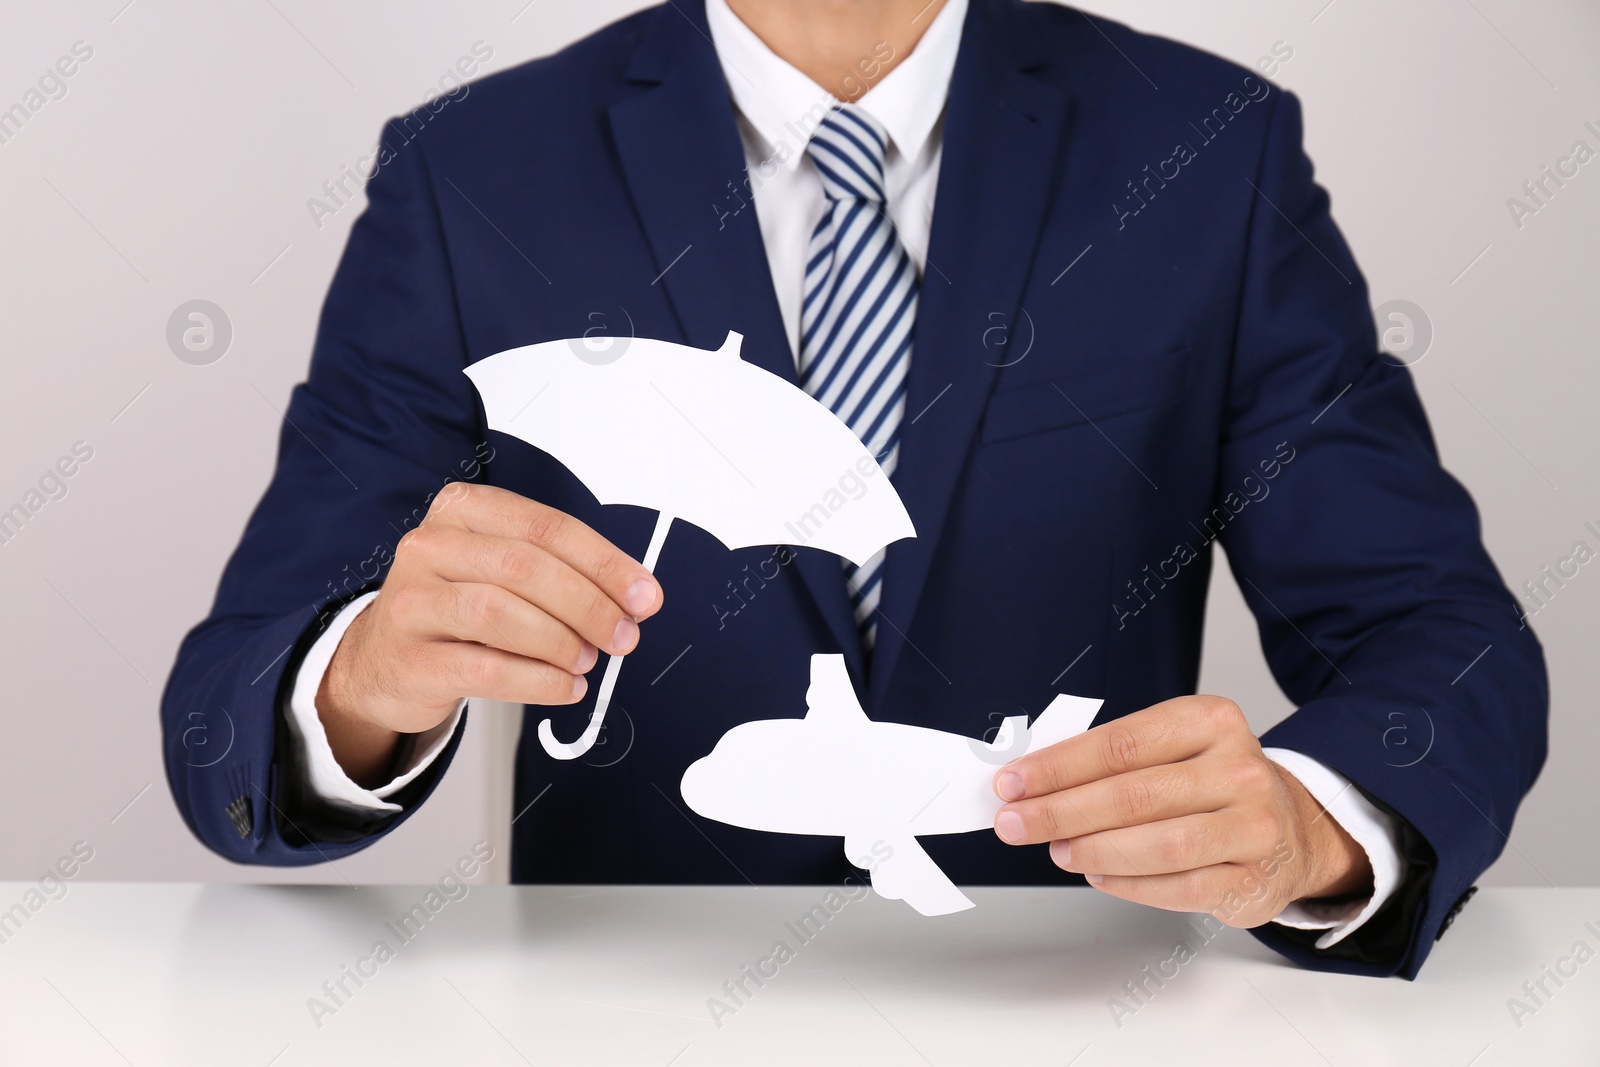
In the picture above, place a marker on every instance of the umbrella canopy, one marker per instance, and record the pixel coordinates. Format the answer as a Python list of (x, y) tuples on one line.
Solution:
[(703, 436)]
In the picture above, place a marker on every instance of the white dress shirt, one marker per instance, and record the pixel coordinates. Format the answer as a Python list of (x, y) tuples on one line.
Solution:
[(776, 108)]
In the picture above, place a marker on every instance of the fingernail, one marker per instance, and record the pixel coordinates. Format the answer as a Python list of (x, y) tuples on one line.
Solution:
[(1009, 786), (641, 596), (580, 686), (1094, 879), (587, 658), (1061, 853), (626, 637), (1008, 824)]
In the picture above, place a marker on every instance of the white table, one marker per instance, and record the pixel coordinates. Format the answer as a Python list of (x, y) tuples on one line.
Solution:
[(170, 975)]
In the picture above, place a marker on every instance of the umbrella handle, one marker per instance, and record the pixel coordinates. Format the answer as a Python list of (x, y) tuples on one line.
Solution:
[(561, 750)]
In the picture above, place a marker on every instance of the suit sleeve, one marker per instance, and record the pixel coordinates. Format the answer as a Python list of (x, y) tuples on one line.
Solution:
[(384, 420), (1379, 611)]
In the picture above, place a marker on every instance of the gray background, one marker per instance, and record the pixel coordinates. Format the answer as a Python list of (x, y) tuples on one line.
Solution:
[(178, 167)]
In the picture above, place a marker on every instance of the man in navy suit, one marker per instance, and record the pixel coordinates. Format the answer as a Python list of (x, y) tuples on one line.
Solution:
[(1129, 330)]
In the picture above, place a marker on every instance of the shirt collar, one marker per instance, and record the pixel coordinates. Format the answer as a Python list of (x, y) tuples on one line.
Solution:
[(782, 104)]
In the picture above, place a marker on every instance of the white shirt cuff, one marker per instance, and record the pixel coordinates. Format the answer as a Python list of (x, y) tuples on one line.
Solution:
[(324, 777), (1373, 829)]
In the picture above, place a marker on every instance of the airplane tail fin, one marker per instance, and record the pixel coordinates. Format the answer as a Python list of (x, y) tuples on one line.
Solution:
[(909, 874), (831, 697), (1067, 716)]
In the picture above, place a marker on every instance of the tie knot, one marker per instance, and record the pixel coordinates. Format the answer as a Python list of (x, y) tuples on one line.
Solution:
[(848, 148)]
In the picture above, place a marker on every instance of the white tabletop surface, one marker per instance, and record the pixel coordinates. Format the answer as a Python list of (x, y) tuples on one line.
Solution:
[(171, 975)]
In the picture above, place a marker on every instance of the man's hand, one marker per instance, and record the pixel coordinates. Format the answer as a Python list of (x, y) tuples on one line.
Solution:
[(1176, 806), (493, 595)]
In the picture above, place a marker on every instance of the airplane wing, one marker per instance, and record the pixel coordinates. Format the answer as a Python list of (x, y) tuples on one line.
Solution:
[(1067, 716), (909, 874)]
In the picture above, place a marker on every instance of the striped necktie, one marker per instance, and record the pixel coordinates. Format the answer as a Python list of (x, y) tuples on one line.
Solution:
[(859, 305)]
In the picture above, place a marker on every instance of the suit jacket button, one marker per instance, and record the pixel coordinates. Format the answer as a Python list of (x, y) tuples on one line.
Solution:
[(240, 814), (1455, 909)]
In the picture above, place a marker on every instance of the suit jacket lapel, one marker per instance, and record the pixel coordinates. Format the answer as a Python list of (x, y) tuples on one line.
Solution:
[(1002, 138), (679, 147)]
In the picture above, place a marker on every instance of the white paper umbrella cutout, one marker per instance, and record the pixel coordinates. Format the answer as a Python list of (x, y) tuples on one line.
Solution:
[(696, 435), (878, 785)]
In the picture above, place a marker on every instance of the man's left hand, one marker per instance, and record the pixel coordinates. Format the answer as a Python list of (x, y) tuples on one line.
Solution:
[(1177, 807)]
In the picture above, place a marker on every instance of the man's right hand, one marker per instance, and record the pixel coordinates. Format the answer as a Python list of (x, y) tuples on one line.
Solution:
[(494, 596)]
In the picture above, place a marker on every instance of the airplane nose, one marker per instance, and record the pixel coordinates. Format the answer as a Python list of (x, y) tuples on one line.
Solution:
[(693, 785)]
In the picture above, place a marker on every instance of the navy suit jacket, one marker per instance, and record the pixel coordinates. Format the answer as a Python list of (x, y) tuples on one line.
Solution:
[(1139, 334)]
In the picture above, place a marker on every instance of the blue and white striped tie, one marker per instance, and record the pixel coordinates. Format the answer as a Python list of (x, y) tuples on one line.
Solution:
[(860, 303)]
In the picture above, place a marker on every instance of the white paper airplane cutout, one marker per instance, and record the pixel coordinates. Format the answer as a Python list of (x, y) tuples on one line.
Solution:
[(837, 773)]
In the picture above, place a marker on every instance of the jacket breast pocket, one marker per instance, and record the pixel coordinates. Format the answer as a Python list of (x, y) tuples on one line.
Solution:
[(1120, 385)]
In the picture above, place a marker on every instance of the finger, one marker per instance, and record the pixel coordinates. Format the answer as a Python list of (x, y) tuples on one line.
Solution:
[(1167, 732), (535, 575), (1231, 893), (1142, 796), (1165, 847), (472, 670), (490, 615), (497, 512)]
